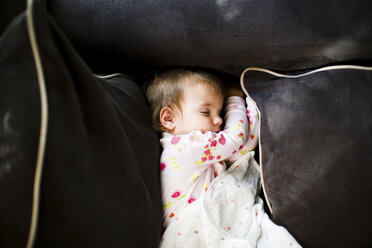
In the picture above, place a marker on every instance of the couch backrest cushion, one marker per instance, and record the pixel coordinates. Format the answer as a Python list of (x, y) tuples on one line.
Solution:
[(100, 184), (316, 138), (223, 35)]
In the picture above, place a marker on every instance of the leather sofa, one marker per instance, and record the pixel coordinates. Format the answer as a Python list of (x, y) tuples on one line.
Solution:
[(100, 184)]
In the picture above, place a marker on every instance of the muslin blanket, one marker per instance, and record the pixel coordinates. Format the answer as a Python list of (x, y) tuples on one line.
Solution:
[(230, 214)]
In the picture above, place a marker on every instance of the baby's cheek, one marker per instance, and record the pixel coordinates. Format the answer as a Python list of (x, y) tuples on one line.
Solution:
[(210, 126)]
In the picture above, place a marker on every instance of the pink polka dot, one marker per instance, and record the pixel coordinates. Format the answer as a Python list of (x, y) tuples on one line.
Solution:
[(176, 194), (175, 140), (222, 140)]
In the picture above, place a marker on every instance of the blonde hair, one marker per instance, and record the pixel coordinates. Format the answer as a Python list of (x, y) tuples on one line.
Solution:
[(166, 90)]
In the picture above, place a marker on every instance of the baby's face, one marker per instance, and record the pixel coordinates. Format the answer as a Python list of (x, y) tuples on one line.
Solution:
[(201, 109)]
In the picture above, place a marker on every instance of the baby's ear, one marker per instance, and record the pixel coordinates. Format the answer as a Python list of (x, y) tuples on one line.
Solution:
[(167, 118)]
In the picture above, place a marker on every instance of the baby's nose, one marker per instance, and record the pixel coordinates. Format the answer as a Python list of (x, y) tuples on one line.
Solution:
[(218, 121)]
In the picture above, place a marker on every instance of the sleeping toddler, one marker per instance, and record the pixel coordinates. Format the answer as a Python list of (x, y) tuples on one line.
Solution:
[(186, 107)]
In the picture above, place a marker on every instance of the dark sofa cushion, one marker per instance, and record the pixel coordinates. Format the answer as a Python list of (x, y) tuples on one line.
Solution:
[(100, 184), (222, 35), (316, 139), (10, 10)]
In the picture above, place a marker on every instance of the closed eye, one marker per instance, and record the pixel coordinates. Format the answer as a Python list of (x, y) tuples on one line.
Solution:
[(205, 112)]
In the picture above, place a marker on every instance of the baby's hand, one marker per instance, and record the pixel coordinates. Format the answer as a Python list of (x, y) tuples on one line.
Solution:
[(234, 91)]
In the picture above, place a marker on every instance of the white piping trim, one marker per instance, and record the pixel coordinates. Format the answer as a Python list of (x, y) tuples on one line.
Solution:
[(327, 68), (43, 125), (113, 76), (259, 135)]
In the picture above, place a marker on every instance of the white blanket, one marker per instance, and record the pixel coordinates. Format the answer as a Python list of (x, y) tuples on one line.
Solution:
[(230, 215)]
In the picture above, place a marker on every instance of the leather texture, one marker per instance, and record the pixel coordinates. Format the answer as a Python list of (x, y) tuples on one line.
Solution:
[(100, 185), (222, 35), (316, 138)]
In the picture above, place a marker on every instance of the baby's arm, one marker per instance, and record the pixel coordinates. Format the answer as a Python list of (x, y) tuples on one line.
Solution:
[(253, 134), (211, 147)]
